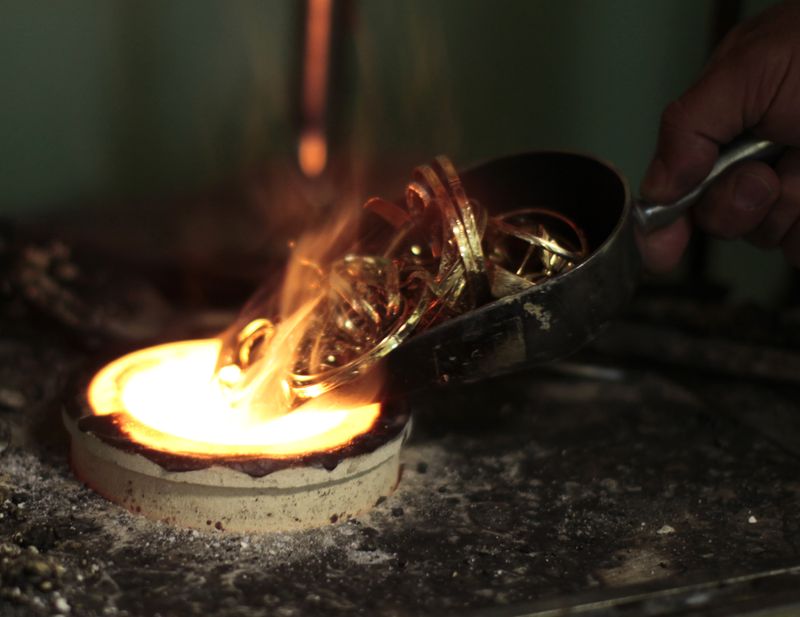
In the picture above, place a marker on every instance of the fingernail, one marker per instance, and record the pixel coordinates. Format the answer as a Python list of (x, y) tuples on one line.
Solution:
[(751, 191), (655, 180)]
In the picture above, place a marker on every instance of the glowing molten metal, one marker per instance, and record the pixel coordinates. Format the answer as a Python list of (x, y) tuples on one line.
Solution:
[(170, 402)]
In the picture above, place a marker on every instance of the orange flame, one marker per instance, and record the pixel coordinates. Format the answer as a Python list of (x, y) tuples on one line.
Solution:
[(174, 397), (171, 402), (261, 390)]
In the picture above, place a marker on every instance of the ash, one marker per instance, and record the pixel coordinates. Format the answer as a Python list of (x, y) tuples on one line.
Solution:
[(532, 491)]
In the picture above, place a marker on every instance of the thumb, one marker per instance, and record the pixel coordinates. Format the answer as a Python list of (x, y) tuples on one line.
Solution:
[(732, 95)]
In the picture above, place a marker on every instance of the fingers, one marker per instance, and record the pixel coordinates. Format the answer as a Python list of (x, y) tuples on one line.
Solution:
[(692, 127), (735, 93), (751, 83), (785, 212), (757, 203), (751, 201), (662, 249), (688, 145), (739, 202)]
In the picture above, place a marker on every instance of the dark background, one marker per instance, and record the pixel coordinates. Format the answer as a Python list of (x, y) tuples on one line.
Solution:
[(119, 119)]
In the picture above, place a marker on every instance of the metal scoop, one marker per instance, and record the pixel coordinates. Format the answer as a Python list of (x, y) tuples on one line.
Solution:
[(554, 319)]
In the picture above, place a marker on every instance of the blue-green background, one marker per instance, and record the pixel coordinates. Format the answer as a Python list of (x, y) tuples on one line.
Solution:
[(115, 100)]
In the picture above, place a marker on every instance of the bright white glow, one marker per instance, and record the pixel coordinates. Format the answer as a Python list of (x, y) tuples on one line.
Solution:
[(175, 404)]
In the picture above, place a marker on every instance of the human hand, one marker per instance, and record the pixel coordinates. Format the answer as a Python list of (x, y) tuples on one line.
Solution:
[(752, 82)]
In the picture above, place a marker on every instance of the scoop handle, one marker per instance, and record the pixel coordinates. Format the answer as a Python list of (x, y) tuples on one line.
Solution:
[(652, 216)]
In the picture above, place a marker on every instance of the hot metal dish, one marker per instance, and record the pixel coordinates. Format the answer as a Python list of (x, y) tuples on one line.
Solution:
[(515, 262)]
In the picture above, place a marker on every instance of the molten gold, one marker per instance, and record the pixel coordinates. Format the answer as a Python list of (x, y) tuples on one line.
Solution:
[(445, 257)]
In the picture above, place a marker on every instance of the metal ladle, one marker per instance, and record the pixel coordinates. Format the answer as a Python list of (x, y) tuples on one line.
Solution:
[(554, 319)]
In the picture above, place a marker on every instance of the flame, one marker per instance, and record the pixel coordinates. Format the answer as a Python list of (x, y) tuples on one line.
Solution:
[(262, 390), (170, 402)]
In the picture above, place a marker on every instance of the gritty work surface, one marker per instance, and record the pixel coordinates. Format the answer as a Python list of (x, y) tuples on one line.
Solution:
[(538, 489), (521, 490)]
